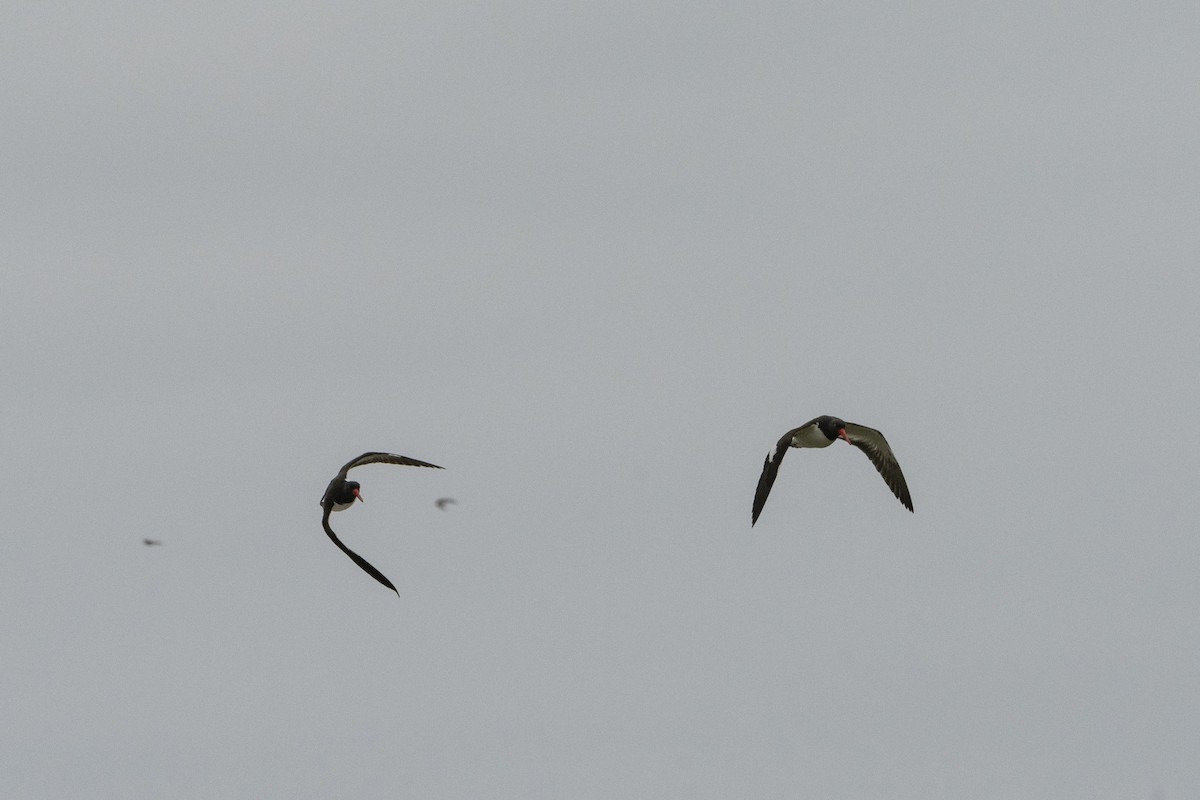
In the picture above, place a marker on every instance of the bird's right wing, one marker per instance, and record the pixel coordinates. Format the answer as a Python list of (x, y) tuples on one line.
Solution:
[(355, 557), (769, 471)]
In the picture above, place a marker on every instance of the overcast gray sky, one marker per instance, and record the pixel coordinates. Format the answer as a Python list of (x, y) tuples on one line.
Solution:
[(594, 259)]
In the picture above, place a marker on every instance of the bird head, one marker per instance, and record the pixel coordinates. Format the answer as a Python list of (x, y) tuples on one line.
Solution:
[(833, 428)]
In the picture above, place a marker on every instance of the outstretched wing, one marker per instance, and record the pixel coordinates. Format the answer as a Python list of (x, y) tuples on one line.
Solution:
[(327, 504), (355, 557), (384, 458), (769, 471), (871, 442)]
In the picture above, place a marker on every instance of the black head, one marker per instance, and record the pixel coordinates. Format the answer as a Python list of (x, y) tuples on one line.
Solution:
[(832, 427), (348, 493)]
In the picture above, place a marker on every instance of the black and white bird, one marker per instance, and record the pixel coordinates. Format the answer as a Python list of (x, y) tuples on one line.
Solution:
[(822, 432), (341, 494)]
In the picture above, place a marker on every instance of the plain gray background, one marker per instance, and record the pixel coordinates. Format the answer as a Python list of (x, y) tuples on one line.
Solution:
[(594, 259)]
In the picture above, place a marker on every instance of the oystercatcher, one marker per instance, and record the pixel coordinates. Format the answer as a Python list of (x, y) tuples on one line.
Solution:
[(822, 432), (342, 493)]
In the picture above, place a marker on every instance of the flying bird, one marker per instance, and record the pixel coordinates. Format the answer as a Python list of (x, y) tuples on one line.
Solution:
[(341, 494), (442, 502), (151, 542), (822, 432)]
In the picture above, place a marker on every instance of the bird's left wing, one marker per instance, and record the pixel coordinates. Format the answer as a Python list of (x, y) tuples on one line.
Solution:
[(871, 442), (384, 458)]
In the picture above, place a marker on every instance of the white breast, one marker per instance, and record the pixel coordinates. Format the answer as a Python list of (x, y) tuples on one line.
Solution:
[(811, 437)]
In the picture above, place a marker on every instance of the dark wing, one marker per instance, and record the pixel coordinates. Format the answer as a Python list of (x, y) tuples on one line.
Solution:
[(871, 442), (328, 496), (383, 458), (770, 470), (355, 557)]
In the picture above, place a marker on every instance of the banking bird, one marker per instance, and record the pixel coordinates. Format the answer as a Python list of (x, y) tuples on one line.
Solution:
[(341, 494), (822, 432), (442, 502)]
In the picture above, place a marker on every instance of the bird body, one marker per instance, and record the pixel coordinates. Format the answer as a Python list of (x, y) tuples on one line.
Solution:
[(822, 432), (341, 494), (810, 436)]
